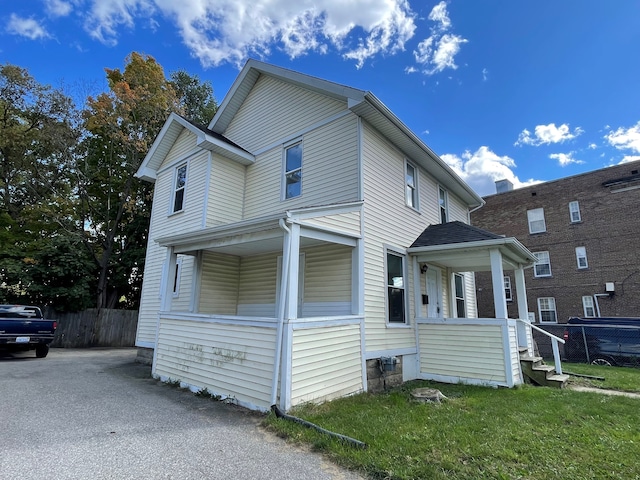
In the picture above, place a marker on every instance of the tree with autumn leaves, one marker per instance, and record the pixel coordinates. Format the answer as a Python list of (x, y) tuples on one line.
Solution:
[(102, 217)]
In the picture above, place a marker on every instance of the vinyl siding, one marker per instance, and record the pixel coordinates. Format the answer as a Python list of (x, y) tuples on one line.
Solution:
[(233, 360), (257, 285), (464, 351), (219, 284), (515, 357), (226, 192), (329, 171), (274, 110), (327, 281), (344, 222), (326, 363)]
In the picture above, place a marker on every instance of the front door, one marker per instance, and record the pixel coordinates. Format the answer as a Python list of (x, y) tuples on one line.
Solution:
[(434, 294)]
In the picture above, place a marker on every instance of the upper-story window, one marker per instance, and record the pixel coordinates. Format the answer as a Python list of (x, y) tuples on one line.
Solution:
[(581, 257), (180, 185), (536, 220), (542, 267), (293, 170), (396, 298), (587, 305), (574, 212), (411, 185), (444, 207), (507, 288)]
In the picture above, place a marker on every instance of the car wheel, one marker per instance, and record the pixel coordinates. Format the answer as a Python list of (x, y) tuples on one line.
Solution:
[(601, 361), (42, 350)]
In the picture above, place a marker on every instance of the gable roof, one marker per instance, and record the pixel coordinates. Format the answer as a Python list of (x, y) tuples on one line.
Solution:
[(362, 103), (205, 138)]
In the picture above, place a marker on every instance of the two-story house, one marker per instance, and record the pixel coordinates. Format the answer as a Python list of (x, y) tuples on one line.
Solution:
[(307, 242), (584, 235)]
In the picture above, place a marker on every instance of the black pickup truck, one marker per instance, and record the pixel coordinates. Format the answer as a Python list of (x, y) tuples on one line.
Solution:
[(23, 328)]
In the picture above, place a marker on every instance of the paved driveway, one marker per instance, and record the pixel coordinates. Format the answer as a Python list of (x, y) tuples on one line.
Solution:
[(95, 414)]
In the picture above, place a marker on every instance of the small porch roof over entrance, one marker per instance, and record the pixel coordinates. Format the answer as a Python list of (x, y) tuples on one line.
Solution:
[(465, 248)]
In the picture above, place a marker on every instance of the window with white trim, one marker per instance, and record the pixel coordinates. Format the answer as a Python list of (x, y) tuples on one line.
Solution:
[(179, 187), (581, 257), (458, 280), (536, 220), (542, 267), (176, 277), (411, 185), (444, 207), (574, 212), (293, 170), (547, 310), (588, 306), (396, 291), (507, 288)]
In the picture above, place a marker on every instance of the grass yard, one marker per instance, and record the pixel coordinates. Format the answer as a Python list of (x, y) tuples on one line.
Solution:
[(525, 433)]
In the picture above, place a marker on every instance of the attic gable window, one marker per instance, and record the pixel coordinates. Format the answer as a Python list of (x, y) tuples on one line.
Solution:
[(293, 171), (180, 185)]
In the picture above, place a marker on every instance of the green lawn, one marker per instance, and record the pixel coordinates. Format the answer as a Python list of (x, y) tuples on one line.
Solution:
[(526, 432)]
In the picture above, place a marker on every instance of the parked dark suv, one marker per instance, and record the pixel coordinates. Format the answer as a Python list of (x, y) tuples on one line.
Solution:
[(603, 341)]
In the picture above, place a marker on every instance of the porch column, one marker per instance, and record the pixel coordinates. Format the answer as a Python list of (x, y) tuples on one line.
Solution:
[(497, 280), (294, 272), (525, 338)]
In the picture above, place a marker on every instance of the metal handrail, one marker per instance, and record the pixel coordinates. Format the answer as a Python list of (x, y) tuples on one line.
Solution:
[(554, 344)]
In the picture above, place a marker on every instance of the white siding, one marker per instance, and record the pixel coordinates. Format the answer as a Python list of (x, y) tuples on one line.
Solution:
[(468, 352), (183, 145), (344, 222), (326, 363), (229, 360), (327, 281), (219, 284), (515, 355), (257, 287), (226, 192), (329, 171), (275, 109)]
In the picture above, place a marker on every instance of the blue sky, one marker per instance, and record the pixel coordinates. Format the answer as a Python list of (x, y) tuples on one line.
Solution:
[(525, 90)]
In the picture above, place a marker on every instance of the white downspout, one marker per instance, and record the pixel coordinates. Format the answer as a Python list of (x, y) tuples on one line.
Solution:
[(284, 281)]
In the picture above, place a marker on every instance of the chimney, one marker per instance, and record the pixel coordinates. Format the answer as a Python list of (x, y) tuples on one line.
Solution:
[(503, 186)]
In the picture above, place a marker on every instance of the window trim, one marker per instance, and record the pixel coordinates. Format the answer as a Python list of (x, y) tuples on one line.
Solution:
[(398, 252), (530, 213), (554, 310), (585, 306), (507, 288), (443, 204), (285, 148), (582, 250), (172, 206), (415, 188), (535, 265), (572, 210), (462, 298)]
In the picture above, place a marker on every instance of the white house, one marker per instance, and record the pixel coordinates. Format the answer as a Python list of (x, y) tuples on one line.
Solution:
[(305, 234)]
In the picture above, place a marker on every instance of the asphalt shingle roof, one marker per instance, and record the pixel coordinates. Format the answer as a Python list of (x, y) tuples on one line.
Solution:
[(452, 232)]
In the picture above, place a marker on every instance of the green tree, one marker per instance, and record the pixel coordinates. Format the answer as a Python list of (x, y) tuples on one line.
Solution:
[(196, 99)]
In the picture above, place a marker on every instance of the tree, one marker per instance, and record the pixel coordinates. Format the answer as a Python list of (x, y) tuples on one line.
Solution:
[(196, 99)]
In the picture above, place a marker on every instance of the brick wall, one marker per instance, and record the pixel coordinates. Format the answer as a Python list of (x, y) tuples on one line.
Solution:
[(609, 230)]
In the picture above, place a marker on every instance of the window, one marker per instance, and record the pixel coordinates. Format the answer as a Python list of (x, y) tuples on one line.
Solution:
[(180, 185), (411, 186), (293, 171), (574, 212), (581, 257), (395, 288), (461, 311), (547, 310), (442, 200), (507, 288), (176, 277), (587, 305), (542, 267), (536, 220)]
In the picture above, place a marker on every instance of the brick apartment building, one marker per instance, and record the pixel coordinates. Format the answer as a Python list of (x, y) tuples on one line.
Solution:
[(585, 231)]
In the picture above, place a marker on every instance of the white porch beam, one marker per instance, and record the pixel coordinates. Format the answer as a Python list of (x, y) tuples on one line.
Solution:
[(497, 280), (308, 231)]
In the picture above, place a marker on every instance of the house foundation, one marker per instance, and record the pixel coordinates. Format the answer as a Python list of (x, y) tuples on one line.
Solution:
[(379, 379)]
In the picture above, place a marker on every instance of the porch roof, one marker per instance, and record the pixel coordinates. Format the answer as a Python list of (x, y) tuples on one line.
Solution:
[(465, 248)]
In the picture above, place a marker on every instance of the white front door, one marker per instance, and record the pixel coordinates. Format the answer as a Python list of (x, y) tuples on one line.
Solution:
[(434, 294)]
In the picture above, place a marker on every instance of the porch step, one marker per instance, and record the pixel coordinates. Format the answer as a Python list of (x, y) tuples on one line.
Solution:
[(536, 371)]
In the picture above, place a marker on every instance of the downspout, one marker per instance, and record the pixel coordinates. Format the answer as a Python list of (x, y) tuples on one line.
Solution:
[(284, 280)]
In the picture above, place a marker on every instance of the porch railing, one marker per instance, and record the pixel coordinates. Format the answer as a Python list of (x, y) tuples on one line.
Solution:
[(554, 344)]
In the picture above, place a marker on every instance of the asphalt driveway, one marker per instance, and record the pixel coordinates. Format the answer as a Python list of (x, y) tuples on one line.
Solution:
[(96, 414)]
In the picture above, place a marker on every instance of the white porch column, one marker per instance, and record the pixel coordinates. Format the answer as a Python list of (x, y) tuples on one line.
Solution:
[(294, 272), (169, 279), (525, 338), (497, 280)]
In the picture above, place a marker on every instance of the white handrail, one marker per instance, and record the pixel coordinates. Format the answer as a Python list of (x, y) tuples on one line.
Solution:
[(554, 344)]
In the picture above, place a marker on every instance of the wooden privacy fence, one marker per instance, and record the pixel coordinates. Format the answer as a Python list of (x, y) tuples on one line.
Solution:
[(95, 328)]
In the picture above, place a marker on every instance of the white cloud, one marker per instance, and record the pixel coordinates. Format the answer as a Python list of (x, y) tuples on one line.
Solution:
[(483, 168), (625, 138), (485, 74), (218, 31), (58, 8), (593, 146), (26, 27), (437, 52), (565, 159), (630, 158), (548, 134)]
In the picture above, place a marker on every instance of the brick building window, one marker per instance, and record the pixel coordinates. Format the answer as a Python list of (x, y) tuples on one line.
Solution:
[(536, 220), (581, 257), (547, 310), (542, 267), (507, 288), (587, 305), (574, 212)]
